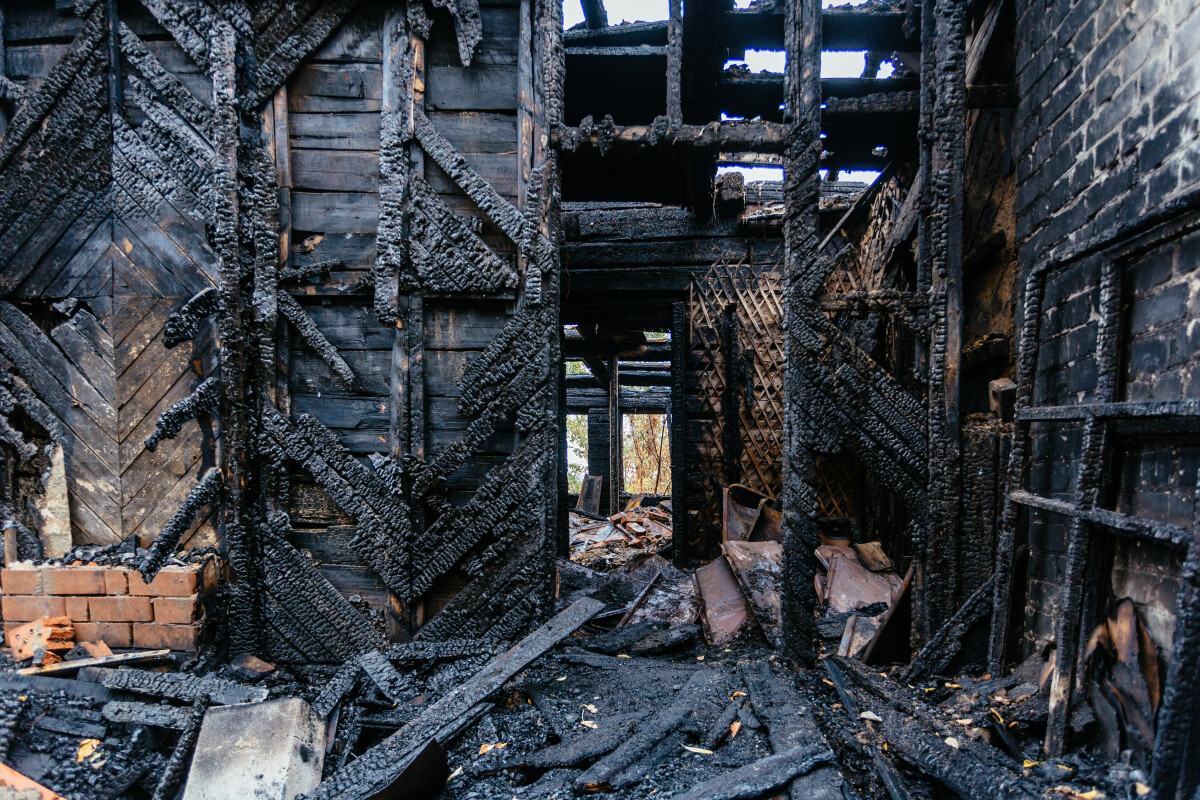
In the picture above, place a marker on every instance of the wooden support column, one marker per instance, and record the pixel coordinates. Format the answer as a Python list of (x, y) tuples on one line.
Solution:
[(675, 64), (943, 79), (1071, 624), (278, 142), (234, 444), (802, 94), (116, 94), (679, 501), (615, 470)]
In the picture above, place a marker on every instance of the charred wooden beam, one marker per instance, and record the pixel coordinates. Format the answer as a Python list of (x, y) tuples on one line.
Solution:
[(203, 400), (178, 686), (715, 137), (594, 15), (184, 323), (311, 335), (206, 490), (379, 766), (760, 777), (701, 697)]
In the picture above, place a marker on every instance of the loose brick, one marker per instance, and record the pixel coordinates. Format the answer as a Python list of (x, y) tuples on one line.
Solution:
[(74, 581), (77, 608), (170, 582), (121, 609), (116, 581), (113, 634), (177, 610), (18, 608), (156, 636), (21, 579)]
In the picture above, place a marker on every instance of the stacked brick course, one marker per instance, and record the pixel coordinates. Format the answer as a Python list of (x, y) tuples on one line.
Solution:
[(111, 604)]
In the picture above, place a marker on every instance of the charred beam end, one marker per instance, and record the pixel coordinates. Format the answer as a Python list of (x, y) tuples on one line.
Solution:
[(205, 490), (716, 136), (308, 272), (594, 15), (202, 400), (182, 325)]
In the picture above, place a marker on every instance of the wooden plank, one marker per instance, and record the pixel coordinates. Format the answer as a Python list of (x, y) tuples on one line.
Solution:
[(335, 212), (349, 131), (356, 81), (377, 768), (463, 328), (483, 87), (348, 171)]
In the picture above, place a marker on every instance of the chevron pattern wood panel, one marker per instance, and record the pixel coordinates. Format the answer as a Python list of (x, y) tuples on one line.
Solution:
[(106, 202)]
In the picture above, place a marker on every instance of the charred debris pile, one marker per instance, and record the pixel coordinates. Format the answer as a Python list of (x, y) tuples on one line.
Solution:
[(649, 681)]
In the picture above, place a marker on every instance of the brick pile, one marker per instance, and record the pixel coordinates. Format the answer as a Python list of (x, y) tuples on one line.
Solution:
[(111, 604)]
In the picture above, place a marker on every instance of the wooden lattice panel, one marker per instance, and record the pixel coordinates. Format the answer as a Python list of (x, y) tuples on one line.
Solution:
[(754, 294)]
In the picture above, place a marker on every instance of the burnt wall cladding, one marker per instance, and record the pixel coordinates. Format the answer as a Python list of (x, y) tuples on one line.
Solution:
[(334, 104), (1106, 130)]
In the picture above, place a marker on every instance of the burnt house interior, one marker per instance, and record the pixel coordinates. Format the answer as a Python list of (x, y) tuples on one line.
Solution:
[(549, 398)]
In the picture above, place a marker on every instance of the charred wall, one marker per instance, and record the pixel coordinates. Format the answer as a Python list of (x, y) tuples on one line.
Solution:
[(1103, 135)]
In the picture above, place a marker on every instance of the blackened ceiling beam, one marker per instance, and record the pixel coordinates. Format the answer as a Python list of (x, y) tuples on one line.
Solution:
[(594, 15)]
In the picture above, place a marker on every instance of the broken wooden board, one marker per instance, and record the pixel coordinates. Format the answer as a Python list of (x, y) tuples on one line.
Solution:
[(871, 555), (700, 698), (758, 568), (175, 686), (725, 612), (62, 667), (790, 724), (42, 635), (383, 765), (760, 777)]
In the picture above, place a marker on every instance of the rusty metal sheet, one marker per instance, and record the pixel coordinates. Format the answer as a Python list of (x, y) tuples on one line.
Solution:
[(850, 586), (725, 612), (758, 568)]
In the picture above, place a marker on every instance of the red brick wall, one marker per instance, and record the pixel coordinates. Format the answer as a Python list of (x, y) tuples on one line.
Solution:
[(111, 604)]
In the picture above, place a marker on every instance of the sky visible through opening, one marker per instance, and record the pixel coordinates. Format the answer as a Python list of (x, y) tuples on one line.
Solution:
[(847, 64)]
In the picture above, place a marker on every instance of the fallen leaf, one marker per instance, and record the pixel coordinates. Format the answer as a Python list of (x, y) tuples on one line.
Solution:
[(484, 748), (622, 655), (827, 681), (950, 740), (454, 774), (590, 708), (1027, 763), (837, 706), (699, 750), (563, 678), (871, 716), (930, 688), (1141, 789), (965, 721), (587, 723), (86, 748), (699, 658), (953, 686), (737, 694), (733, 729)]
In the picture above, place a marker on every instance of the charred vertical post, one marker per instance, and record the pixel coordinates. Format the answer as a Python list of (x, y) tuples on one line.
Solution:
[(235, 444), (675, 64), (802, 82), (614, 435), (943, 77), (1018, 470), (679, 501), (1089, 482)]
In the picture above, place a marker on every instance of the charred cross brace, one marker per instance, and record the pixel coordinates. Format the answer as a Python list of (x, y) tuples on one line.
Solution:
[(202, 400), (308, 272), (206, 490), (312, 336)]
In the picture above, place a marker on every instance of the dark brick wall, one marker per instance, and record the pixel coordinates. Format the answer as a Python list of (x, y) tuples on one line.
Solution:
[(1107, 130)]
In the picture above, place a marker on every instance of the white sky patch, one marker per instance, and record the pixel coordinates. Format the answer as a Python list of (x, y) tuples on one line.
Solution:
[(762, 61), (753, 173), (843, 64), (618, 11), (867, 176)]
